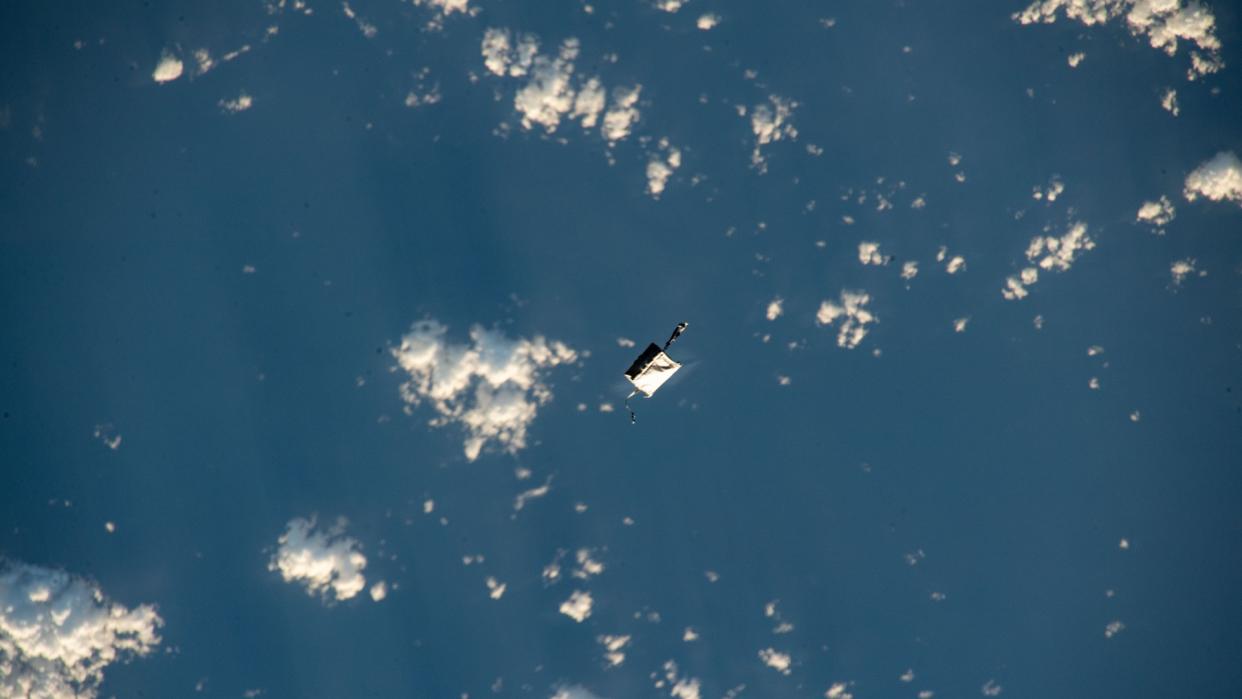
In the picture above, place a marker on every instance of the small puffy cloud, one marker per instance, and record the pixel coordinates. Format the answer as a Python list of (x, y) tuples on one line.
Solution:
[(58, 633), (379, 591), (495, 588), (587, 566), (869, 253), (660, 167), (1156, 214), (1180, 269), (368, 30), (771, 122), (622, 114), (614, 648), (991, 689), (1074, 59), (838, 690), (775, 308), (669, 5), (446, 7), (107, 434), (1162, 22), (1168, 102), (576, 691), (776, 660), (1016, 286), (708, 21), (1050, 193), (853, 316), (327, 562), (1218, 179), (168, 69), (1058, 254), (240, 104), (909, 270), (959, 325), (552, 90), (955, 264), (520, 500), (578, 606), (491, 387), (679, 686)]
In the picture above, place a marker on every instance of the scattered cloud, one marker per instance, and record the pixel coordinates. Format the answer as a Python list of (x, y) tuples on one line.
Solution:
[(771, 122), (853, 314), (491, 387), (168, 69), (1050, 193), (495, 588), (328, 563), (520, 500), (679, 686), (708, 21), (58, 633), (587, 566), (1218, 179), (776, 660), (614, 647), (379, 591), (1162, 22), (660, 167), (576, 691), (1156, 214), (1180, 269), (1168, 102), (1074, 59), (991, 689), (955, 264), (669, 5), (775, 308), (838, 690), (959, 325), (368, 30), (551, 90), (909, 270), (869, 253), (107, 434), (240, 103), (578, 606)]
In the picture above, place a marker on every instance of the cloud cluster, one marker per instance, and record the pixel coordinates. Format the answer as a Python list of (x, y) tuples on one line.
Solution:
[(59, 632), (1051, 254), (328, 563), (1218, 179), (771, 122), (491, 387), (853, 316), (1156, 214), (661, 166), (1163, 22), (552, 91)]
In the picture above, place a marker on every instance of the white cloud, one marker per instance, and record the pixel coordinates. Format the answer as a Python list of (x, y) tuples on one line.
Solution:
[(991, 689), (58, 633), (614, 647), (660, 167), (955, 264), (1180, 269), (775, 308), (447, 7), (1016, 287), (853, 314), (680, 687), (520, 500), (776, 660), (379, 591), (495, 588), (669, 5), (168, 69), (1218, 179), (553, 92), (107, 434), (576, 691), (708, 21), (909, 270), (1113, 628), (492, 387), (1051, 192), (689, 634), (869, 253), (587, 566), (1058, 254), (1168, 102), (838, 691), (328, 563), (240, 104), (1074, 59), (578, 606), (368, 30), (770, 122), (959, 325), (1156, 214), (1162, 22), (622, 115)]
